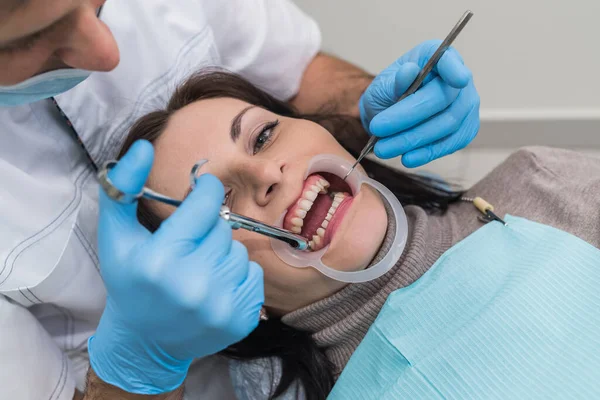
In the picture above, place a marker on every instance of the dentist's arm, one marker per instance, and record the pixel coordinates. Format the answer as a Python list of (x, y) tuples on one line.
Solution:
[(439, 119), (96, 389), (331, 85)]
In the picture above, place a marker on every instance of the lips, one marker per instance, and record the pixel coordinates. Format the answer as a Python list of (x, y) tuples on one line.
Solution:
[(320, 209)]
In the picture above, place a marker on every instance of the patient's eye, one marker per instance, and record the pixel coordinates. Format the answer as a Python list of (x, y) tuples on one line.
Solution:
[(264, 136)]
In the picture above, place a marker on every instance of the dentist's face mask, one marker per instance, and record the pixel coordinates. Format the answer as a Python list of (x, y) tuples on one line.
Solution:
[(41, 87)]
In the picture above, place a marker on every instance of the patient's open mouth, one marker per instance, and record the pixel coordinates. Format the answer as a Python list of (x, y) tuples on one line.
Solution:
[(320, 209)]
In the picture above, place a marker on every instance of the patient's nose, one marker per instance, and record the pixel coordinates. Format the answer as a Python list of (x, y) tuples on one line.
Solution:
[(265, 177)]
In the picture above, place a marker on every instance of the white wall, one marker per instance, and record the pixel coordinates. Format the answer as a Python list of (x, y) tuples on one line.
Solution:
[(536, 62)]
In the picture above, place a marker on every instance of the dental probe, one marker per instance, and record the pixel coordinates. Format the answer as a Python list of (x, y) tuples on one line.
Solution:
[(236, 221), (462, 22)]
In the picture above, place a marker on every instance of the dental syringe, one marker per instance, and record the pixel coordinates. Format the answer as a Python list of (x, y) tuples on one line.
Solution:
[(236, 221)]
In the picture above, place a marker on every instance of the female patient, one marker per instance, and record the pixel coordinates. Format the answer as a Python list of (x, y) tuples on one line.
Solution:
[(260, 148)]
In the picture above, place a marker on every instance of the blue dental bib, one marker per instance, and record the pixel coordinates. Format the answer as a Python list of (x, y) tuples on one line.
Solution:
[(511, 312)]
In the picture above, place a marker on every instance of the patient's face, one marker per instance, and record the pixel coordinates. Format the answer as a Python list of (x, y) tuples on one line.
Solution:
[(263, 168)]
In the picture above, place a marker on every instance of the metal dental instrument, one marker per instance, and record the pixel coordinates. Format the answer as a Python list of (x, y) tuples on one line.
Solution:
[(462, 22), (236, 221)]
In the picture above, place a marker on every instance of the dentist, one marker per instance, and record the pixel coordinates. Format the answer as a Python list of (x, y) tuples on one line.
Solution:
[(139, 307)]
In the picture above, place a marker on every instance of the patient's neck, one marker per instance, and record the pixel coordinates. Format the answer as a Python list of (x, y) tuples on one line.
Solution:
[(281, 300)]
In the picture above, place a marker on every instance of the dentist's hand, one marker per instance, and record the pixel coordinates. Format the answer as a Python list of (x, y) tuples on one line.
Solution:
[(439, 119), (184, 292)]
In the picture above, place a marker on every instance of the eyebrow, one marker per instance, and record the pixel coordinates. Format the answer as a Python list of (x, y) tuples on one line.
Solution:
[(236, 124), (13, 5), (27, 39), (24, 41), (7, 9)]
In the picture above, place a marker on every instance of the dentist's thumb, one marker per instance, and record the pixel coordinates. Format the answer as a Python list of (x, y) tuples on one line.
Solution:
[(129, 176)]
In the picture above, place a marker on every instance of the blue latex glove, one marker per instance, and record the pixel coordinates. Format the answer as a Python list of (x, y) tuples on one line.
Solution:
[(184, 292), (439, 119)]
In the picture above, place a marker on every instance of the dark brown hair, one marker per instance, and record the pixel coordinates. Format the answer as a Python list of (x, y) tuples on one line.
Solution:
[(301, 359)]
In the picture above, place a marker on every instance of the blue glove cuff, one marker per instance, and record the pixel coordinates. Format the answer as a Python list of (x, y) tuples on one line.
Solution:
[(133, 367)]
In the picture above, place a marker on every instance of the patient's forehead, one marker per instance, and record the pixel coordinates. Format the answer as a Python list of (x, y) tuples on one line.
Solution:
[(206, 113), (202, 123)]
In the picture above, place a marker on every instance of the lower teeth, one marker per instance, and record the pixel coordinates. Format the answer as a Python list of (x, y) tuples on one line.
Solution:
[(318, 238)]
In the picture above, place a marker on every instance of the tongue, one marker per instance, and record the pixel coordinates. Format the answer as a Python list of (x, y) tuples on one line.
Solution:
[(316, 215)]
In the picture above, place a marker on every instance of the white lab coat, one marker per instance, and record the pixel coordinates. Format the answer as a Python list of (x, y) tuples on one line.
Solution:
[(51, 293)]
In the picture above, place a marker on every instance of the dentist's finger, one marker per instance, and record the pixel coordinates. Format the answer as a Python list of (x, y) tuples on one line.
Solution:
[(234, 268), (426, 102), (433, 129), (445, 146), (405, 76), (198, 213), (249, 299), (129, 176), (452, 69)]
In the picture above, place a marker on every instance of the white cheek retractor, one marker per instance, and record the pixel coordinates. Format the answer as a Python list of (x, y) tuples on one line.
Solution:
[(304, 259)]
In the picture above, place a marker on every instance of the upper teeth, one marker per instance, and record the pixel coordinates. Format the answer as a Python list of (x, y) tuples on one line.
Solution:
[(305, 203), (301, 213), (309, 196), (298, 221)]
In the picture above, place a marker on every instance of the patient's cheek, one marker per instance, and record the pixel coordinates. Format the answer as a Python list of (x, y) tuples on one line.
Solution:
[(259, 247)]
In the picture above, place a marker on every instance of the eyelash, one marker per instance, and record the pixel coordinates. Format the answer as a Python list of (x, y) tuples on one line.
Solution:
[(269, 127), (258, 145)]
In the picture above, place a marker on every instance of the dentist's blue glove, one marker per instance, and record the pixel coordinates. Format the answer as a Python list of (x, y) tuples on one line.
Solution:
[(439, 119), (184, 292)]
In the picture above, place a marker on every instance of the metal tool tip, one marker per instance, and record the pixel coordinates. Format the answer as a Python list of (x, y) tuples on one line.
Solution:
[(351, 169)]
